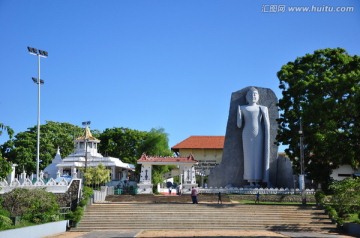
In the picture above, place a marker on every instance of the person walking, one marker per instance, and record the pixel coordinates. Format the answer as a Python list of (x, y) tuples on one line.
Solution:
[(194, 194), (257, 200), (219, 198)]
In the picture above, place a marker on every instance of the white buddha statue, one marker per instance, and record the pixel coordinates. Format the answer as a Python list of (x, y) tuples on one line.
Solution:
[(255, 124)]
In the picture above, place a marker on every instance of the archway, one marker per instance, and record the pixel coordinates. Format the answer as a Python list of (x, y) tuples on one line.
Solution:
[(185, 164)]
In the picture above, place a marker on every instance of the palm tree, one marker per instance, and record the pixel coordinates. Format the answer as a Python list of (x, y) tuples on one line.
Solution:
[(3, 127)]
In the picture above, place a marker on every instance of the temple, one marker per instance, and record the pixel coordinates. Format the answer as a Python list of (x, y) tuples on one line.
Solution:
[(86, 155)]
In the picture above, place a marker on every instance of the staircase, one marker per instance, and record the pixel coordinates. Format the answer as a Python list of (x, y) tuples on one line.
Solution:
[(175, 216), (150, 198)]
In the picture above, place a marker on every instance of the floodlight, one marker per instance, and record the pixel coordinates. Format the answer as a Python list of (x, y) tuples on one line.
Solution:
[(32, 50), (37, 81), (43, 53), (86, 123)]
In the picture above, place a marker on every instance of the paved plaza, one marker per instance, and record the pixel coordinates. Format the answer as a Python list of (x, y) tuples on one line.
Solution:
[(193, 233)]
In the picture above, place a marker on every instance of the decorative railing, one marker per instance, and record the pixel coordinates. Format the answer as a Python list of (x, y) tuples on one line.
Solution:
[(52, 185), (255, 190)]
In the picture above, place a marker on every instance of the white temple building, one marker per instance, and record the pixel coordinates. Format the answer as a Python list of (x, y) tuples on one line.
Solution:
[(51, 170), (86, 155)]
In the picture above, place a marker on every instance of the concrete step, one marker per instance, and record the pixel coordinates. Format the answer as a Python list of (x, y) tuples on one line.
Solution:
[(120, 215), (292, 228), (150, 198), (191, 221)]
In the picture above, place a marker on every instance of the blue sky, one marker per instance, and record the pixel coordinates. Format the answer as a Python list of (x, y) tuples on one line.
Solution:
[(145, 64)]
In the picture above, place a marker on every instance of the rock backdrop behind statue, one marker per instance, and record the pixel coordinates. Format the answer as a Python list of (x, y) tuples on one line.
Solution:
[(231, 169)]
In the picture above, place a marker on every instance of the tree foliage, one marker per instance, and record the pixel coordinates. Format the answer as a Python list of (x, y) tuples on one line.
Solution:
[(34, 205), (128, 144), (6, 128), (323, 89), (123, 143), (156, 143), (346, 196), (5, 165), (21, 150), (97, 175)]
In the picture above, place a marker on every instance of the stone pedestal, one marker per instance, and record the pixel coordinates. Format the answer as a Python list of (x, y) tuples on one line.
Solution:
[(186, 188), (145, 188)]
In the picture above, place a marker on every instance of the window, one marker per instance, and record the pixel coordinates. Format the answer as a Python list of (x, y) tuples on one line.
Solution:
[(344, 175)]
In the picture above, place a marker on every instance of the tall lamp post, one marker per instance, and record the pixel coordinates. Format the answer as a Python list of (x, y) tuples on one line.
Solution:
[(302, 175), (38, 81), (85, 124)]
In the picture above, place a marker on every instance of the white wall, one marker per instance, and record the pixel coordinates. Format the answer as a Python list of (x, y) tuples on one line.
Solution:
[(338, 174), (43, 230)]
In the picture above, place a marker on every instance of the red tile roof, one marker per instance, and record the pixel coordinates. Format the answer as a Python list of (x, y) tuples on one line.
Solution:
[(201, 142)]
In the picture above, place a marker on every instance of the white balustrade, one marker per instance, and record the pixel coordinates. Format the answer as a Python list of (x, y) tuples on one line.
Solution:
[(51, 186), (233, 190)]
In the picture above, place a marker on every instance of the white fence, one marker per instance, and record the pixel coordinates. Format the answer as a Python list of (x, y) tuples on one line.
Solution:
[(231, 190), (54, 186), (254, 190), (99, 196)]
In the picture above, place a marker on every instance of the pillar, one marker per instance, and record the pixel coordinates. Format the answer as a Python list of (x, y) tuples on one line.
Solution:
[(188, 172), (145, 185), (11, 176), (113, 173), (124, 175)]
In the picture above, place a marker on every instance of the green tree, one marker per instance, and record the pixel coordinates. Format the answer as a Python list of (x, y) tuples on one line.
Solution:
[(8, 129), (129, 145), (5, 166), (21, 149), (156, 142), (123, 143), (323, 89), (97, 175)]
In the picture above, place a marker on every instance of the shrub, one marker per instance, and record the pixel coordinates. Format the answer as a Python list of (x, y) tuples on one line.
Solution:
[(320, 197), (34, 205), (86, 195), (5, 222), (332, 213), (15, 202), (345, 196), (76, 215)]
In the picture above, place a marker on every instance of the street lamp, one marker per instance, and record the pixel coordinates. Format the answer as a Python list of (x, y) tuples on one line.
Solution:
[(302, 175), (86, 123), (38, 81)]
